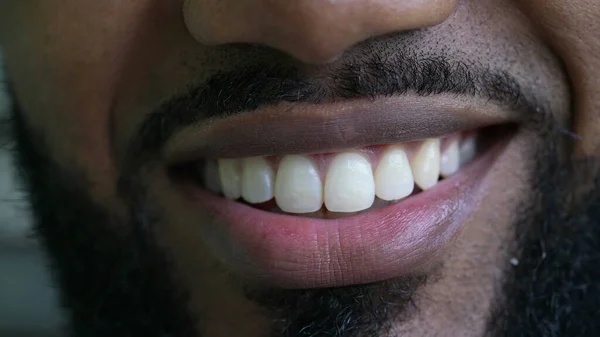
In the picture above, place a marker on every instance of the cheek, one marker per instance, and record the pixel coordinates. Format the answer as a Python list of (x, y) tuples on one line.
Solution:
[(64, 65), (572, 28)]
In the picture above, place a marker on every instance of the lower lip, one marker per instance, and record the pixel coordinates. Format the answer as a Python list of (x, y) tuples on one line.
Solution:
[(298, 252)]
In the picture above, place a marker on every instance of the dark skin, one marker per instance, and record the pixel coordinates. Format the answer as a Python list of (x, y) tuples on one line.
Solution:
[(130, 256)]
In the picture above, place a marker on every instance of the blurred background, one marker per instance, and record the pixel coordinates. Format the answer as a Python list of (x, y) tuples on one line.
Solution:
[(28, 301)]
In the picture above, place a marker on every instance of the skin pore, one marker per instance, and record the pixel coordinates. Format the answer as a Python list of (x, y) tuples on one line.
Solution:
[(132, 257)]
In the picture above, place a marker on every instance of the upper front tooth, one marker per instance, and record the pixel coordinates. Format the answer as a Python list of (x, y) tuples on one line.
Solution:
[(393, 176), (257, 180), (450, 160), (349, 185), (229, 172), (298, 186), (426, 164)]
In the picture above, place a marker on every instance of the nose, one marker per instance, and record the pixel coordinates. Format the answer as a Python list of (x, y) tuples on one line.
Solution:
[(313, 31)]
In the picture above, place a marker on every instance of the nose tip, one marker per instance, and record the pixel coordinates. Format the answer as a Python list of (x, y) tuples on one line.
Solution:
[(313, 31)]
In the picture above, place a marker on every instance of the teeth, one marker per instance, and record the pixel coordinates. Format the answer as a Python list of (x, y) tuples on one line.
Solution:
[(298, 187), (426, 164), (468, 150), (229, 172), (450, 160), (257, 180), (349, 185), (211, 176), (393, 176)]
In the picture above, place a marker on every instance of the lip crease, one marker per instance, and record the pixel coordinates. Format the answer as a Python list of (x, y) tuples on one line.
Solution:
[(289, 128), (299, 252)]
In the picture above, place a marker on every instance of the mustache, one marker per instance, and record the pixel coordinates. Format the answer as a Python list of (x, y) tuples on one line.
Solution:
[(246, 88)]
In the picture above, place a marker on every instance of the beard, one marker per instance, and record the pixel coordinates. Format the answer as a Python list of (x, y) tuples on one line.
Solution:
[(554, 289), (116, 280)]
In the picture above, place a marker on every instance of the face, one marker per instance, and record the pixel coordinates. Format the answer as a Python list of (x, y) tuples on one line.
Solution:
[(312, 168)]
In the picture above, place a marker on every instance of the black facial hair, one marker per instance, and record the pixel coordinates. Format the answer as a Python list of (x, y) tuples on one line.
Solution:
[(117, 283), (114, 280), (555, 288), (373, 309)]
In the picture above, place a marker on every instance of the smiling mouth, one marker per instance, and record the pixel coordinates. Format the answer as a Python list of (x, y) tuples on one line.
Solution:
[(339, 184), (331, 195)]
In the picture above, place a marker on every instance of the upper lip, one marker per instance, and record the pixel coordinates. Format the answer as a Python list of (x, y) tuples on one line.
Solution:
[(292, 128)]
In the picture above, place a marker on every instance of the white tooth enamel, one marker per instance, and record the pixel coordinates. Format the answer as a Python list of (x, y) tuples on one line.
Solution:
[(211, 176), (230, 176), (298, 187), (450, 160), (393, 176), (468, 149), (257, 180), (426, 164), (349, 185)]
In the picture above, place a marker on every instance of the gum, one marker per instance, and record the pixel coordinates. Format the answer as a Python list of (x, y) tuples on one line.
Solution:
[(372, 153)]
